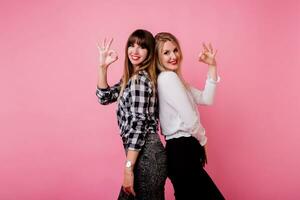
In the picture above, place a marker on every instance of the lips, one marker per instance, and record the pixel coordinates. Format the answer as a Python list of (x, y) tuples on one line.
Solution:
[(134, 57), (174, 62)]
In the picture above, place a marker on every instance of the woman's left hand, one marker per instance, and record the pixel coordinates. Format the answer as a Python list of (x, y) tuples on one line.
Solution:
[(128, 182), (208, 55)]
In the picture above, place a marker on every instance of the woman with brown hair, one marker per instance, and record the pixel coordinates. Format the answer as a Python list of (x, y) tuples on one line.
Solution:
[(145, 166), (180, 120)]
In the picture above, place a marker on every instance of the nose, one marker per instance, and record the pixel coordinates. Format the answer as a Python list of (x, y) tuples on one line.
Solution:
[(173, 56), (135, 49)]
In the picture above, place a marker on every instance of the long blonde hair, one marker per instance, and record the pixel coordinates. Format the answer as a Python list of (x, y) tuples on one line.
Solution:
[(146, 40), (160, 39)]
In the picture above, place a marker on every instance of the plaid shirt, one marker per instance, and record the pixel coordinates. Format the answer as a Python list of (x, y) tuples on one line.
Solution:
[(137, 111)]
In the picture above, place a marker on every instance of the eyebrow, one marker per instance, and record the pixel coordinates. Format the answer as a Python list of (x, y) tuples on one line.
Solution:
[(170, 50)]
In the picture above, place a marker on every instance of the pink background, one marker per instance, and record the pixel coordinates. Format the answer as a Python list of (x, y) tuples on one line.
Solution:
[(57, 142)]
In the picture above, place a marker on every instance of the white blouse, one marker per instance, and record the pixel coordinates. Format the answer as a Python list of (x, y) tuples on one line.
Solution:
[(178, 112)]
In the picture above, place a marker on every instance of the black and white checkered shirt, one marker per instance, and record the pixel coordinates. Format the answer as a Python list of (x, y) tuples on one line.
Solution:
[(137, 109)]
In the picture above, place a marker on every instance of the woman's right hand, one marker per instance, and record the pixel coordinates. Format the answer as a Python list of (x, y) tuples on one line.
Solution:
[(106, 56)]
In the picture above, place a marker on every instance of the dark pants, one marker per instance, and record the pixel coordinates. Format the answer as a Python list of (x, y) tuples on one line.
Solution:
[(186, 158), (150, 171)]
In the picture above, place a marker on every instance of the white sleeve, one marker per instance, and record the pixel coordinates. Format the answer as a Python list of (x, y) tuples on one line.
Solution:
[(207, 95), (172, 90)]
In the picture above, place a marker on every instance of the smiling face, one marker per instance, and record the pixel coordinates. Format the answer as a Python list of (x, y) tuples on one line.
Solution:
[(136, 54), (170, 56)]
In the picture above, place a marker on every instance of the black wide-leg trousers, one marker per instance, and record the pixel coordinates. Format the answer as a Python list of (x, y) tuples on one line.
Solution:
[(186, 159)]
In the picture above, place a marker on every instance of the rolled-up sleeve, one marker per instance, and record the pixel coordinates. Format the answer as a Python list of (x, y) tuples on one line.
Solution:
[(108, 95), (139, 95)]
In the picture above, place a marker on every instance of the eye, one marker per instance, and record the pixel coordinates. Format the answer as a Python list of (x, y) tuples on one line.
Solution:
[(176, 50), (166, 52), (143, 46)]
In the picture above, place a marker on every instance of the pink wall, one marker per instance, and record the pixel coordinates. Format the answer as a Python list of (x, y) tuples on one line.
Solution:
[(58, 143)]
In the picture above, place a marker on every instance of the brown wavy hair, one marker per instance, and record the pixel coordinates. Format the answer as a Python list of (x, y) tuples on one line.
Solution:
[(146, 40)]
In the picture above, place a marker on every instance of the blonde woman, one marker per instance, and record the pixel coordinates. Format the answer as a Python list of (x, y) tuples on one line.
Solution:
[(145, 166), (180, 120)]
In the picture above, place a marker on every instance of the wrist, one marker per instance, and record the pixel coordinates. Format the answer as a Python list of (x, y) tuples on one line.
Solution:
[(213, 65), (129, 165), (103, 67)]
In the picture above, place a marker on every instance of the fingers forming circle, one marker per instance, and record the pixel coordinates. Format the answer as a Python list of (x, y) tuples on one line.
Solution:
[(100, 47)]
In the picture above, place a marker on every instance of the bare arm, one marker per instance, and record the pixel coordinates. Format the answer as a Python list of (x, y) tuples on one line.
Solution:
[(102, 78), (106, 94), (212, 72), (128, 181), (106, 57)]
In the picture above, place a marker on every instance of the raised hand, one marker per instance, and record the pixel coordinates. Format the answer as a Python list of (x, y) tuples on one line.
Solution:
[(208, 55), (106, 56)]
